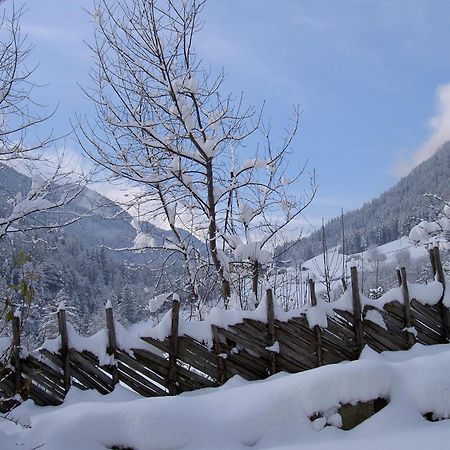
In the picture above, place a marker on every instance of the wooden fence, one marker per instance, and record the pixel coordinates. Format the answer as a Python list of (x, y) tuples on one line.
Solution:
[(252, 349)]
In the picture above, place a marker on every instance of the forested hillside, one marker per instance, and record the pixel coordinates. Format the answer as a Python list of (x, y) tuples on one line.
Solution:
[(387, 217), (77, 263)]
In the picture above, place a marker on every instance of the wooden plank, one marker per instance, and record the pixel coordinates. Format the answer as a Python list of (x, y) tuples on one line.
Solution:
[(50, 372), (344, 348), (40, 377), (83, 379), (89, 363), (133, 384), (427, 316), (192, 360), (189, 345), (160, 365), (344, 330), (90, 375), (304, 350), (378, 334), (257, 337), (243, 341), (191, 352), (426, 335), (147, 384), (41, 397), (244, 367), (154, 376), (300, 353), (396, 318), (345, 319)]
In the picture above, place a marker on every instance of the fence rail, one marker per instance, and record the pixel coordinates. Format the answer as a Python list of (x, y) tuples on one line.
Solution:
[(252, 349)]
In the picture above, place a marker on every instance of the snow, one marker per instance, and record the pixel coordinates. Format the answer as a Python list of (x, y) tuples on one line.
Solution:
[(157, 302), (252, 251), (275, 347), (5, 344), (273, 414), (427, 294), (143, 241), (98, 343), (375, 316)]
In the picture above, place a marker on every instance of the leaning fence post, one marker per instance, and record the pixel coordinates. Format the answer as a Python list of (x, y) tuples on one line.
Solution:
[(62, 324), (407, 305), (399, 277), (357, 312), (221, 368), (16, 352), (317, 330), (112, 342), (441, 278), (432, 261), (271, 329), (173, 349)]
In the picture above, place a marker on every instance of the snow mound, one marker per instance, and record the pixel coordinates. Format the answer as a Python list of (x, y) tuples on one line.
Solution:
[(272, 414)]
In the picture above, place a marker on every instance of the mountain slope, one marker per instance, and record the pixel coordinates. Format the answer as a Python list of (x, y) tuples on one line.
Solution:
[(387, 217), (104, 223)]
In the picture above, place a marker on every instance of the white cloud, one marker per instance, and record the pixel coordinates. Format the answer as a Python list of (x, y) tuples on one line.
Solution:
[(440, 133)]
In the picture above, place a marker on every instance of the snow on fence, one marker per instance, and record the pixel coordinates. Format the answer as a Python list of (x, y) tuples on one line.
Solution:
[(176, 356)]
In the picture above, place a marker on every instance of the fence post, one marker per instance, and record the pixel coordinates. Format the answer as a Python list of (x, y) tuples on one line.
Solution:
[(399, 277), (173, 353), (344, 284), (16, 352), (271, 330), (432, 262), (317, 330), (441, 278), (62, 324), (407, 305), (357, 312), (221, 369), (112, 342)]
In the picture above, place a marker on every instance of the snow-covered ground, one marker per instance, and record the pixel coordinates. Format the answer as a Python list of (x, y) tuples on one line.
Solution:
[(271, 414), (389, 251)]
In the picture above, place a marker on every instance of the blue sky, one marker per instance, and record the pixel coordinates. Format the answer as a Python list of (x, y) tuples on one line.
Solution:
[(371, 78)]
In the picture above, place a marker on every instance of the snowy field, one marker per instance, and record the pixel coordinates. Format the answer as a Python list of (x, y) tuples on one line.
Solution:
[(271, 414)]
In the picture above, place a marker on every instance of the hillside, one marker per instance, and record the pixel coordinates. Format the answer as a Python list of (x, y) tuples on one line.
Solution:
[(103, 223), (387, 217), (75, 261)]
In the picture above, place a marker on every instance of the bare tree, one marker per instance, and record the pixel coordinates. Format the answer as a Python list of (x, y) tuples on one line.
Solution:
[(19, 113), (31, 205), (165, 127), (20, 117)]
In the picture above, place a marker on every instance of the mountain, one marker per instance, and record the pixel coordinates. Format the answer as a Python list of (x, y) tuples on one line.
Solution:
[(103, 223), (385, 218), (74, 264)]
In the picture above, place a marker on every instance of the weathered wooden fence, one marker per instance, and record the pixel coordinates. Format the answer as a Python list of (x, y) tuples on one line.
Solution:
[(252, 349)]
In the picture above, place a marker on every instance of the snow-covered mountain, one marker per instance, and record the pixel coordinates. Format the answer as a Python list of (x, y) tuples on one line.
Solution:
[(103, 223), (75, 261), (387, 217)]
